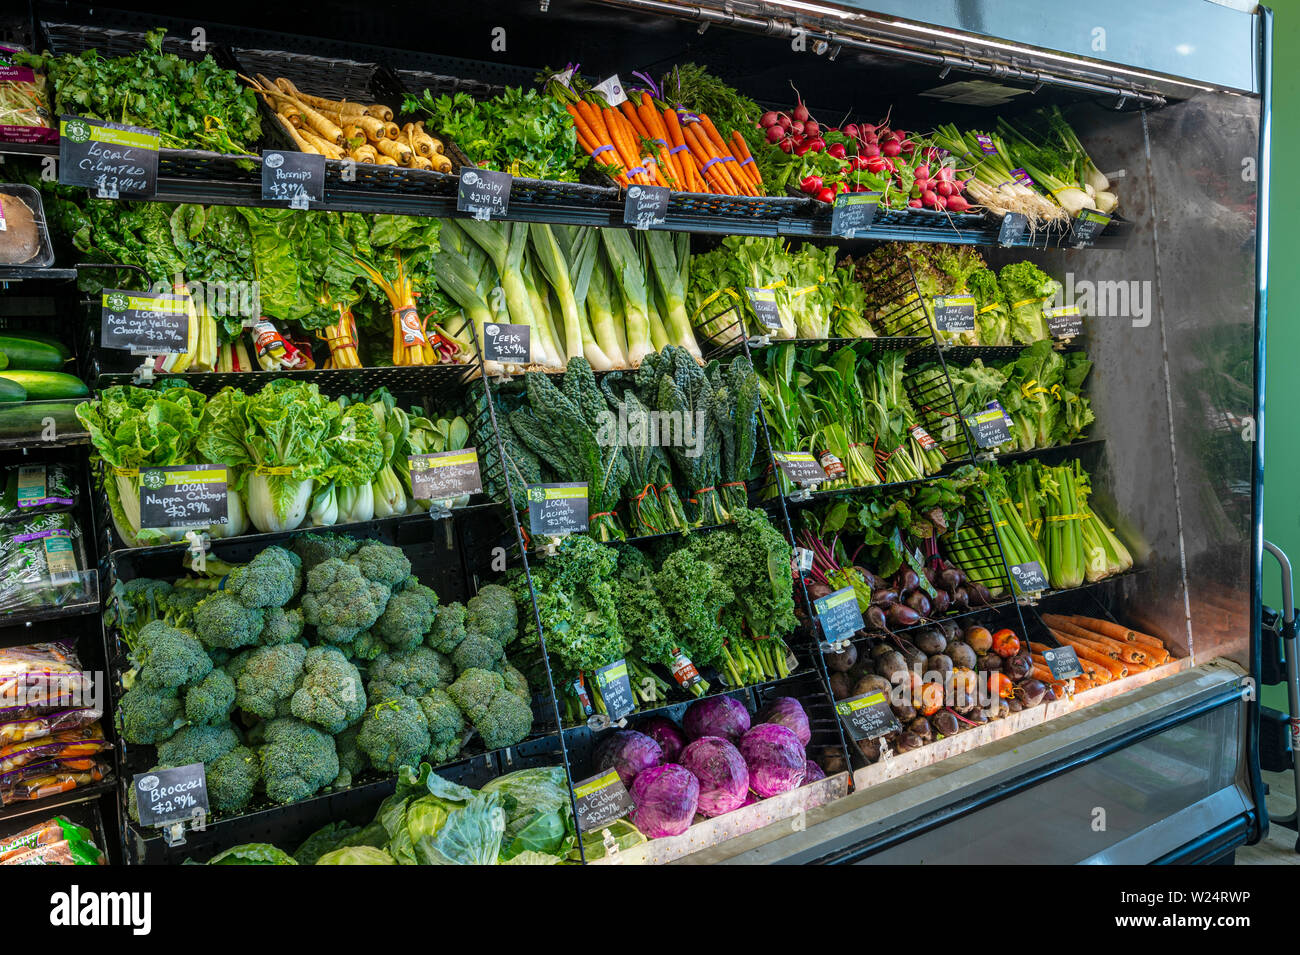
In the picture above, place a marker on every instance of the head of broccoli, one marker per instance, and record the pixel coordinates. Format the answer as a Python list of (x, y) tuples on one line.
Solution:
[(169, 657), (341, 602), (382, 563), (271, 579), (297, 760), (446, 726), (516, 682), (313, 549), (147, 716), (409, 615), (394, 733), (492, 612), (266, 677), (232, 779), (220, 620), (211, 699), (411, 672), (478, 651), (501, 717), (282, 626), (330, 694), (365, 647), (198, 744), (352, 762), (448, 628)]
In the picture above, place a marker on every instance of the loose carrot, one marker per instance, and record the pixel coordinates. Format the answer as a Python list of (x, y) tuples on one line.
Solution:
[(1116, 649), (634, 118), (1042, 673), (1085, 652), (711, 169)]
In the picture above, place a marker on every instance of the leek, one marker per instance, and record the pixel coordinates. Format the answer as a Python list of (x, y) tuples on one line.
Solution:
[(630, 277)]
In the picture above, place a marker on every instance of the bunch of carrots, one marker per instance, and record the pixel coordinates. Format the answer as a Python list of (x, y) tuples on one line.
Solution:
[(1106, 651), (650, 143)]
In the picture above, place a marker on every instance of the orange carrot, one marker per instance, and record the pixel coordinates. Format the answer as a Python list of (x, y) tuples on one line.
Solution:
[(740, 150), (681, 151), (654, 123), (715, 174), (622, 141), (724, 170), (1085, 652), (1116, 649), (723, 152)]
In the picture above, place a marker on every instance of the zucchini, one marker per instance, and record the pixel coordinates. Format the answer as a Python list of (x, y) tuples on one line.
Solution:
[(24, 351), (45, 384), (12, 391)]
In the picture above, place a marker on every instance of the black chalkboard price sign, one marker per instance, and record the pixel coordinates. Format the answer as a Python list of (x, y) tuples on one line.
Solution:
[(444, 474), (615, 688), (293, 177), (111, 159), (144, 323), (190, 495), (1064, 322), (868, 716), (601, 800), (507, 343), (1013, 228), (954, 313), (1088, 225), (989, 427), (766, 309), (483, 193), (170, 795), (1063, 662), (644, 206), (555, 510), (839, 615), (800, 467), (853, 212), (1029, 577)]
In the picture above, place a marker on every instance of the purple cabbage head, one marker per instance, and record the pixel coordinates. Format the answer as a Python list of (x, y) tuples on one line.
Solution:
[(666, 798), (666, 733), (775, 758), (716, 716), (815, 772), (721, 770), (629, 752), (787, 711)]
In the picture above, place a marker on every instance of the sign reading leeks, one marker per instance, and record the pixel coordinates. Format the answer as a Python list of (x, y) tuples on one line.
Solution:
[(444, 475), (143, 323), (113, 159), (555, 510), (183, 495)]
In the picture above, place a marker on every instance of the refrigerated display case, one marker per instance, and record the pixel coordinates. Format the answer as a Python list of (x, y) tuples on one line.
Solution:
[(1159, 767)]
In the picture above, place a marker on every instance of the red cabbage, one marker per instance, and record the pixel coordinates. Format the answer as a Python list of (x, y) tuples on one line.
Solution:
[(721, 770), (787, 711), (716, 716), (775, 758), (664, 732), (666, 798), (629, 752), (815, 772)]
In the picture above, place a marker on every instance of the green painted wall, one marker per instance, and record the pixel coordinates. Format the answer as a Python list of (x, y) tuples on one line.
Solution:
[(1282, 442)]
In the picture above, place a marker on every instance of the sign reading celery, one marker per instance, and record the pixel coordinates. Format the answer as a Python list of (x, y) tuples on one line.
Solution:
[(144, 324), (446, 474), (183, 495), (557, 509), (113, 159)]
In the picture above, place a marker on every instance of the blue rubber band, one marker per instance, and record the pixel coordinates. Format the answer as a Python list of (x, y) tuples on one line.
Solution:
[(600, 149), (632, 172), (709, 163), (676, 149), (746, 162)]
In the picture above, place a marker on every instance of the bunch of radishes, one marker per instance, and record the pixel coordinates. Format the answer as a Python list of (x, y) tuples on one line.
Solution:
[(906, 170)]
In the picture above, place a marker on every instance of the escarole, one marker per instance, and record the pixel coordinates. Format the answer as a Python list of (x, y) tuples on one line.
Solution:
[(276, 438)]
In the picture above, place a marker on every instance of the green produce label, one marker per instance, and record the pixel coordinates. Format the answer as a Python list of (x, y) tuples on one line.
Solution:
[(192, 495), (145, 324), (853, 212), (445, 474), (868, 716), (615, 690), (61, 558), (555, 510), (171, 795), (600, 800), (1088, 225), (839, 615), (113, 159)]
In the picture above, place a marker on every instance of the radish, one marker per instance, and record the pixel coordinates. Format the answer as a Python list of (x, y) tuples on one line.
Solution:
[(797, 128), (852, 130), (940, 202), (811, 184), (871, 150), (787, 145), (891, 148), (826, 195), (922, 171), (929, 197), (801, 113), (784, 121), (866, 129), (841, 187), (775, 134), (957, 204), (914, 203), (802, 148), (769, 119), (860, 162), (817, 145), (837, 150), (811, 127), (924, 185), (944, 188)]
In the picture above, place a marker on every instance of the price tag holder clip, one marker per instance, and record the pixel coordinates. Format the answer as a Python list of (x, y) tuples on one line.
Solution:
[(144, 374)]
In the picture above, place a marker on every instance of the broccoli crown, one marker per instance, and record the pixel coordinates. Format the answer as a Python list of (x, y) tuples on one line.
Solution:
[(146, 715), (178, 605), (340, 602), (282, 626), (298, 760), (412, 671), (479, 652), (271, 579), (516, 682), (365, 647), (382, 563), (198, 744), (492, 613), (169, 657), (138, 601), (313, 549), (501, 717), (330, 694), (409, 615), (232, 779), (352, 762), (446, 725), (394, 733), (220, 620), (211, 699), (266, 677), (448, 628)]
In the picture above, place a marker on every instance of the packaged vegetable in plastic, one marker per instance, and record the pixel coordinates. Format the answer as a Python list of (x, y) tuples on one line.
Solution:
[(775, 758), (28, 489), (666, 799), (721, 771), (539, 816), (716, 716), (788, 712), (41, 563), (74, 744), (22, 723), (25, 115), (629, 752), (41, 674), (50, 832)]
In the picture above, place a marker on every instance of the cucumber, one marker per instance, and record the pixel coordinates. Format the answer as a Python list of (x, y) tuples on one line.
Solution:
[(12, 391), (27, 352), (45, 384)]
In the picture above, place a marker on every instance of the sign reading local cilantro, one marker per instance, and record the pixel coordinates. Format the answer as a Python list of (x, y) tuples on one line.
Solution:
[(853, 212), (170, 795), (1063, 662), (557, 509), (113, 159), (765, 307), (615, 690), (644, 206), (293, 177), (184, 495), (144, 323), (800, 467), (601, 800), (445, 474), (1088, 225), (954, 313), (989, 428), (868, 716), (483, 193), (508, 343), (839, 615), (1064, 322)]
